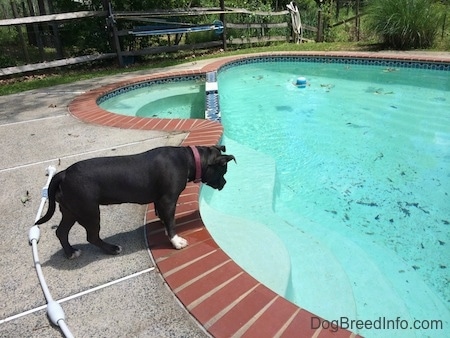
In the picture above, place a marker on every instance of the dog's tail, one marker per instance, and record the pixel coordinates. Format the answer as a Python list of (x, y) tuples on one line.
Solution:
[(52, 188)]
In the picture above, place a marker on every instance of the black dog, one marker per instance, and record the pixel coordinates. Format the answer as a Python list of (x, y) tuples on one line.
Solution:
[(158, 175)]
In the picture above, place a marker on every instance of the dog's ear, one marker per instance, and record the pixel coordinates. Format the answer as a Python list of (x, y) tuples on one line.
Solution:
[(221, 148), (224, 159)]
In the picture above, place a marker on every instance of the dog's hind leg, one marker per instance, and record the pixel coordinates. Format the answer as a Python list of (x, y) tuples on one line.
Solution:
[(62, 232), (91, 222)]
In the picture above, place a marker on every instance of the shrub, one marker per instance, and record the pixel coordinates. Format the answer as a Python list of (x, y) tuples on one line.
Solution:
[(404, 24), (6, 61)]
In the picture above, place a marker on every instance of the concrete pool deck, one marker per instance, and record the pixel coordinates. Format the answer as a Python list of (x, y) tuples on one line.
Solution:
[(38, 131)]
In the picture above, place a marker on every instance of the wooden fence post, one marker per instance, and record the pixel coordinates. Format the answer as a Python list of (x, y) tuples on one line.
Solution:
[(443, 25), (222, 18), (37, 35), (319, 25), (43, 27), (56, 38), (357, 21), (111, 23), (19, 32)]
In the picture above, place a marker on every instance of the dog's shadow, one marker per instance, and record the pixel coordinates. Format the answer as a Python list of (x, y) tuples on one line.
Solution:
[(130, 241)]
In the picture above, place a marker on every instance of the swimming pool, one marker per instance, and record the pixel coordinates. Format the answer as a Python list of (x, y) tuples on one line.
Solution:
[(346, 181), (170, 98)]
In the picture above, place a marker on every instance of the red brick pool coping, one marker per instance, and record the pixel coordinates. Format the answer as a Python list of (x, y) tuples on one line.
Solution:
[(222, 297)]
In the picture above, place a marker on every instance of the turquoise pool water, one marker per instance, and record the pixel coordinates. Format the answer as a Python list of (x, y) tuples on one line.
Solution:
[(340, 197), (176, 99)]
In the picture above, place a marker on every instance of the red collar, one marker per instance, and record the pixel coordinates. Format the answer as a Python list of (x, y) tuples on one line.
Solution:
[(198, 165)]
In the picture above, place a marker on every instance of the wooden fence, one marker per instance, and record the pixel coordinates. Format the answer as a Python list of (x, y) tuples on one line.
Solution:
[(260, 33)]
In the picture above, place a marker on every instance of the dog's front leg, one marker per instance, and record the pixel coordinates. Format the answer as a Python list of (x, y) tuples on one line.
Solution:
[(166, 213)]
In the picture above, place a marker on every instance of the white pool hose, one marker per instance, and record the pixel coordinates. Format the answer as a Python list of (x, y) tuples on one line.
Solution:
[(54, 310), (296, 21)]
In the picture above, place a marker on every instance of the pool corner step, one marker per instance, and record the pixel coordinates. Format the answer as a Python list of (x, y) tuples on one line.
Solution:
[(212, 110)]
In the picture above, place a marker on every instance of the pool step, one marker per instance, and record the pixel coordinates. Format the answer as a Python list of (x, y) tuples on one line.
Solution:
[(259, 249), (212, 107)]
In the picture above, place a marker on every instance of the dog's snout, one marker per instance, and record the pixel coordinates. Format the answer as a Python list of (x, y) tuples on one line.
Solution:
[(222, 183)]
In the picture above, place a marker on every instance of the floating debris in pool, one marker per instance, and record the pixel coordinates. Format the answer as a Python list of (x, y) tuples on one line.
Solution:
[(379, 157), (445, 222), (442, 266), (394, 107), (378, 91), (368, 204), (441, 242), (381, 92), (415, 267), (405, 211), (416, 205), (356, 126), (390, 70), (327, 87), (284, 108)]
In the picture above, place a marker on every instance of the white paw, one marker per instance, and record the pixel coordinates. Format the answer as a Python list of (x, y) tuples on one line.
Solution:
[(75, 254), (178, 242)]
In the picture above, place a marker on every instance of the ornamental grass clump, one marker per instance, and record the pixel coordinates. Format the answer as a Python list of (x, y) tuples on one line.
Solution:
[(405, 24)]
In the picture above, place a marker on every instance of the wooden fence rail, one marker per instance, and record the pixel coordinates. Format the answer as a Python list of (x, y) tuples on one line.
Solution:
[(263, 35), (51, 18)]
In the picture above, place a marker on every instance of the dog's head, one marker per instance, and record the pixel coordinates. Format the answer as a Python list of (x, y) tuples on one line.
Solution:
[(214, 164)]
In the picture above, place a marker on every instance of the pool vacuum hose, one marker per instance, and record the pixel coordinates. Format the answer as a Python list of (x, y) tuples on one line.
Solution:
[(54, 310)]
